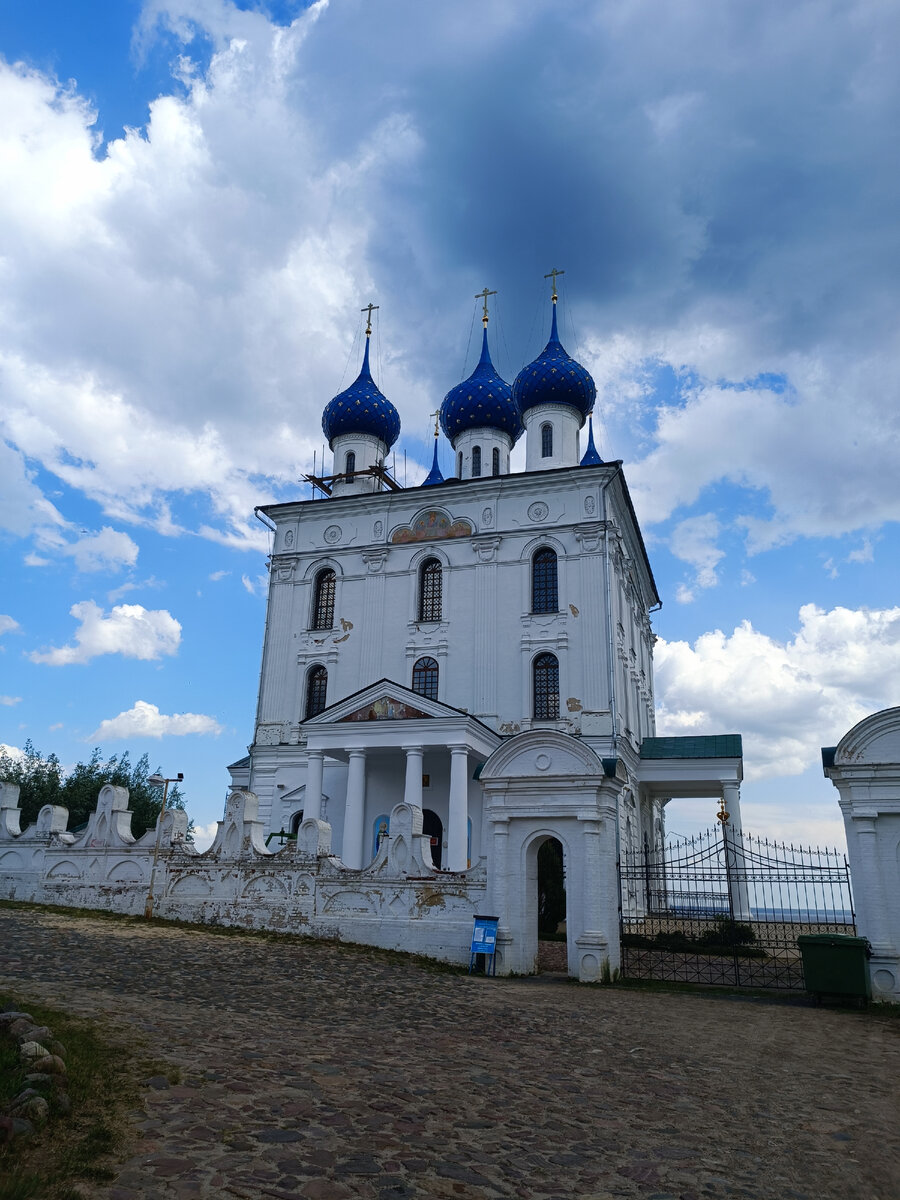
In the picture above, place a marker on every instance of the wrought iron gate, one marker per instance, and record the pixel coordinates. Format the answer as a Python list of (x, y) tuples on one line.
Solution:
[(726, 908)]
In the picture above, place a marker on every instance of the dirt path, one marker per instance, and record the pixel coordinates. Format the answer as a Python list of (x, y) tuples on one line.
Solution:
[(321, 1071)]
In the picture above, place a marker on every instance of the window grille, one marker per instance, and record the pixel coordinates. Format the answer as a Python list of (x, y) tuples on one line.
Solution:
[(546, 441), (476, 461), (495, 461), (546, 688), (316, 687), (430, 590), (544, 589), (350, 468), (323, 606), (425, 678)]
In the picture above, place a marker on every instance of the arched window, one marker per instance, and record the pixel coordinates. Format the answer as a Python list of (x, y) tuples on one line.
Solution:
[(296, 822), (547, 441), (459, 465), (430, 590), (476, 461), (323, 603), (425, 678), (495, 461), (350, 466), (546, 688), (544, 590), (316, 687)]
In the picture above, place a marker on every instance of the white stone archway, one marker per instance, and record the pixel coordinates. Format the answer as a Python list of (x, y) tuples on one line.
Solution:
[(865, 769), (544, 784)]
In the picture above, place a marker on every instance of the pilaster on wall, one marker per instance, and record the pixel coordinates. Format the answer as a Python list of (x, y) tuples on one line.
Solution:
[(276, 654)]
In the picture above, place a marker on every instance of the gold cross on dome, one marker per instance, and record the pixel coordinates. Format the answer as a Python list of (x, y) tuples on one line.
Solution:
[(436, 416), (370, 308), (483, 295), (554, 274)]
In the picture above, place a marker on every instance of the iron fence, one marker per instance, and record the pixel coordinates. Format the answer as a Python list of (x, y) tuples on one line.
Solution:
[(725, 907)]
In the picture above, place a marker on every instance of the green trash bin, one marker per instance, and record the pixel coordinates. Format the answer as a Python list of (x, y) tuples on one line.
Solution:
[(836, 964)]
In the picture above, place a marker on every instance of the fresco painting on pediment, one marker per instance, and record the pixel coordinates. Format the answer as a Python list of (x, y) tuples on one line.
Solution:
[(430, 526), (386, 709)]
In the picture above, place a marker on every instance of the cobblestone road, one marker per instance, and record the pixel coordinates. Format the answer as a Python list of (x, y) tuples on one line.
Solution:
[(317, 1071)]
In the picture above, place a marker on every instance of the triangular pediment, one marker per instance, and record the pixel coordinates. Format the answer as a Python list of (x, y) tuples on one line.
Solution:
[(384, 701)]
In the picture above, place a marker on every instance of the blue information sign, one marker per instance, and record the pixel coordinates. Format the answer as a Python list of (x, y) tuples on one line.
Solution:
[(484, 935)]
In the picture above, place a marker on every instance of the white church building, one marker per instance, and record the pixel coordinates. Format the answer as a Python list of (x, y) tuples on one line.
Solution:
[(454, 675), (477, 650)]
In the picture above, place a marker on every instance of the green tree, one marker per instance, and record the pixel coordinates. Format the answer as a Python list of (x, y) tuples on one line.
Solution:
[(43, 781)]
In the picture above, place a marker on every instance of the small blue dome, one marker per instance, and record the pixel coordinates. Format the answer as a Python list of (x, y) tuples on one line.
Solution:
[(483, 401), (554, 378), (591, 457), (362, 409)]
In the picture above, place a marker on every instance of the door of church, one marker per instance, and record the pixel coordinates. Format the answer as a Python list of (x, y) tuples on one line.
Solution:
[(433, 827)]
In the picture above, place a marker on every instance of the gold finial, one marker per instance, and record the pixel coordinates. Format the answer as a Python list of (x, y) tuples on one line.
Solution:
[(554, 274), (483, 295), (370, 308), (722, 814), (436, 415)]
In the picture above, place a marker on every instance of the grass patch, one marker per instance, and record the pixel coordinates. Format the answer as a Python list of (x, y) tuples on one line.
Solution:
[(75, 1151)]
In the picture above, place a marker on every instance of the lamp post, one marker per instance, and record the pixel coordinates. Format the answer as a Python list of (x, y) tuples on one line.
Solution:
[(156, 781)]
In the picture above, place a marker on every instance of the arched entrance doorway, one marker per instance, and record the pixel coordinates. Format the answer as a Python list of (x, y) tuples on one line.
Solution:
[(433, 827), (551, 906)]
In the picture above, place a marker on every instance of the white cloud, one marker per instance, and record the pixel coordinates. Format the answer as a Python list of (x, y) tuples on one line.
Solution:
[(787, 698), (130, 630), (11, 751), (145, 720), (217, 575), (7, 624), (9, 701), (108, 550), (204, 834), (257, 586), (23, 507), (694, 541), (863, 553)]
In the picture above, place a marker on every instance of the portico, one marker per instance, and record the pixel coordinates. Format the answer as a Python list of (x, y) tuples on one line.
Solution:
[(386, 734)]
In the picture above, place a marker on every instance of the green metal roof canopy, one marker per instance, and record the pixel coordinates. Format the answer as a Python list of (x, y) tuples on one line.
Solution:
[(720, 745)]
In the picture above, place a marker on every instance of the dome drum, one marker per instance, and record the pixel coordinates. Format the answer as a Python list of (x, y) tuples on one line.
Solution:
[(354, 455), (482, 452)]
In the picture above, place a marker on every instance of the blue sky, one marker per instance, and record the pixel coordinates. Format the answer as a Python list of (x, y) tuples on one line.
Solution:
[(197, 197)]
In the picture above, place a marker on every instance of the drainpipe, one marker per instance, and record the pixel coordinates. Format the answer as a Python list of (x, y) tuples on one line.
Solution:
[(611, 681)]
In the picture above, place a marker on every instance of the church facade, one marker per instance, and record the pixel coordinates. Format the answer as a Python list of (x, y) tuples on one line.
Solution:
[(476, 651)]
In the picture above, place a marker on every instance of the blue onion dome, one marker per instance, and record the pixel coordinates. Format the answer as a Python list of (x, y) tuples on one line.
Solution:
[(591, 458), (483, 401), (362, 409), (554, 378)]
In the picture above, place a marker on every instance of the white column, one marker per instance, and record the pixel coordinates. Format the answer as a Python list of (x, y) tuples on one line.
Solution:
[(457, 856), (312, 803), (734, 850), (354, 811), (412, 792), (731, 794)]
